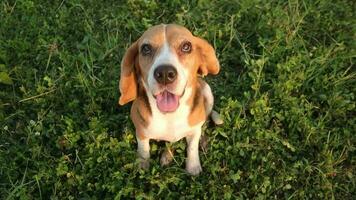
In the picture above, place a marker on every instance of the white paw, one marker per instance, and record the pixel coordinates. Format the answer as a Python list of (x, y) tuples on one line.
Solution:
[(166, 158), (193, 169), (216, 118)]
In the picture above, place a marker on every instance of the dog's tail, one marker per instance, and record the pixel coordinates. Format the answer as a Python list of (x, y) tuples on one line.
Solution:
[(215, 116)]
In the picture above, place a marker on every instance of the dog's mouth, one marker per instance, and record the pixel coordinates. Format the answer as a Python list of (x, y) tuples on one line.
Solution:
[(167, 101)]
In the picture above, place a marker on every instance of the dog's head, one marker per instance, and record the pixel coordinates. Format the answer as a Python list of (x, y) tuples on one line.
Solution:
[(166, 59)]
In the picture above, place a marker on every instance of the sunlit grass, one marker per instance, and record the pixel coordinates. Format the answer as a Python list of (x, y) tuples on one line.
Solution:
[(286, 92)]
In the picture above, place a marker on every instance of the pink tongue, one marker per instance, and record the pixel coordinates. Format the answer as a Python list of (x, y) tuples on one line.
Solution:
[(167, 102)]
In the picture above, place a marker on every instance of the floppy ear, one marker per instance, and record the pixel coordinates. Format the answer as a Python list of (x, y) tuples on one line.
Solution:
[(128, 82), (209, 62)]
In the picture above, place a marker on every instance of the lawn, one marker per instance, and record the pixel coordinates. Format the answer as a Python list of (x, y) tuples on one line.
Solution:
[(286, 92)]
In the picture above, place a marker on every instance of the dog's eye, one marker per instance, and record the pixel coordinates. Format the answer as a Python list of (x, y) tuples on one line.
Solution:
[(146, 49), (186, 47)]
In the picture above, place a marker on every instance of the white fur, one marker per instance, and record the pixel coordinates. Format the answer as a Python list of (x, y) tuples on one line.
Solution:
[(166, 56), (168, 126), (209, 105), (193, 162), (143, 148), (206, 91), (172, 126)]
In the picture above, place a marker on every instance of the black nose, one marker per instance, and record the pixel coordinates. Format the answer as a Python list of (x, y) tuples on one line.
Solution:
[(165, 74)]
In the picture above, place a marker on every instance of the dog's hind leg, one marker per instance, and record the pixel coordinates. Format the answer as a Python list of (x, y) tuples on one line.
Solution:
[(209, 102)]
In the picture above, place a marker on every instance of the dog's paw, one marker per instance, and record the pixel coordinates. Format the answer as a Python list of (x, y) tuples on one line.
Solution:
[(215, 116), (143, 163), (194, 169), (166, 157)]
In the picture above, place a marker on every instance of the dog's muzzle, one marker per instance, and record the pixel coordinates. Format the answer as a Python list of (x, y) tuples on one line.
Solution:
[(165, 75)]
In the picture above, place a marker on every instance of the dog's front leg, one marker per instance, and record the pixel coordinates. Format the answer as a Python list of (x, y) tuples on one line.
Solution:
[(143, 150), (193, 162)]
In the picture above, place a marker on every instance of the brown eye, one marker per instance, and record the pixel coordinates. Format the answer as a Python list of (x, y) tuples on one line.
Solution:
[(186, 47), (146, 49)]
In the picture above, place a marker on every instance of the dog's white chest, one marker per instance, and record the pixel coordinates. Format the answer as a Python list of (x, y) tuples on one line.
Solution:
[(170, 126)]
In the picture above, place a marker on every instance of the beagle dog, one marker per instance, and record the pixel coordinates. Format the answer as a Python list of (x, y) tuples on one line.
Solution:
[(160, 74)]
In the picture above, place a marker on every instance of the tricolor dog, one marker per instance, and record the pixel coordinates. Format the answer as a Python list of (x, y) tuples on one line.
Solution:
[(160, 73)]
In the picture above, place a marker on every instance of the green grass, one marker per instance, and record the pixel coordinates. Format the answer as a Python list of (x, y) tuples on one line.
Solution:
[(286, 92)]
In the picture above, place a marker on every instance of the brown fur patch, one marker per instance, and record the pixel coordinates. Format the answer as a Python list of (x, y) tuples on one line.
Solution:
[(141, 111), (202, 58), (196, 100), (128, 84), (139, 133), (209, 62), (197, 113), (144, 100), (140, 116), (154, 37)]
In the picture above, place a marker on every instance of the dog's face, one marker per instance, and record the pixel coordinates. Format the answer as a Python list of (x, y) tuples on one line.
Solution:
[(167, 60)]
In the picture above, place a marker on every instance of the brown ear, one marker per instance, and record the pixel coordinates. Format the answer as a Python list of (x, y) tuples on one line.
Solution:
[(209, 62), (128, 82)]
